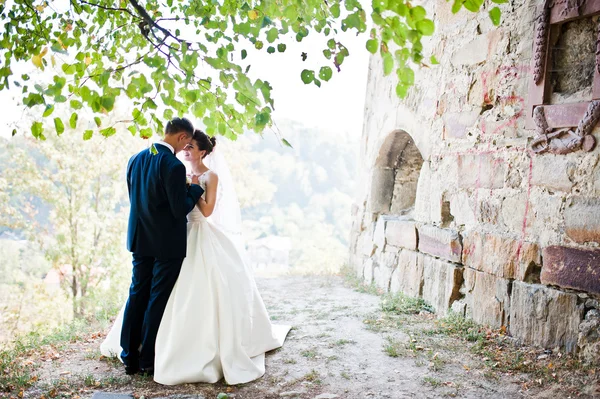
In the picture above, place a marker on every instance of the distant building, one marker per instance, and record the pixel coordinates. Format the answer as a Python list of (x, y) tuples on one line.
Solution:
[(270, 254)]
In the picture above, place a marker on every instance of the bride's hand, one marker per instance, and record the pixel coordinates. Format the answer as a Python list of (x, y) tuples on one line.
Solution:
[(195, 179)]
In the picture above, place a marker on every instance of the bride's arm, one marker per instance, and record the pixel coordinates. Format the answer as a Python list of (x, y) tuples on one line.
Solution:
[(208, 206)]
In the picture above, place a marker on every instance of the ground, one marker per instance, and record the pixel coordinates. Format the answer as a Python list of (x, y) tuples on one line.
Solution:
[(346, 342)]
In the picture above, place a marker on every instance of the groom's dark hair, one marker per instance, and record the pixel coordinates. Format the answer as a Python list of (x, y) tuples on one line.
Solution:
[(179, 125)]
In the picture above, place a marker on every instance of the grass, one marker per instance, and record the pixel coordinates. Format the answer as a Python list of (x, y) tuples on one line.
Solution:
[(402, 304), (342, 342), (289, 361), (309, 353), (357, 284), (458, 326), (394, 348), (434, 382), (345, 375), (17, 369), (313, 377)]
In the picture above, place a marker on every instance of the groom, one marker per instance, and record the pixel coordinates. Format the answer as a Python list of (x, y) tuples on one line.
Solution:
[(156, 236)]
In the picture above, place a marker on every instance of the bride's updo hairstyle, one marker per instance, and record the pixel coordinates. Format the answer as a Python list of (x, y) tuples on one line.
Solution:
[(204, 141)]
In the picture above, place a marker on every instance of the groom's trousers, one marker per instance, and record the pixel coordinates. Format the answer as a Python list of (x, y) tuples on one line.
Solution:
[(151, 285)]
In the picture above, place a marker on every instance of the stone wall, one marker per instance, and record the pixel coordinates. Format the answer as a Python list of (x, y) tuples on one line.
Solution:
[(455, 208)]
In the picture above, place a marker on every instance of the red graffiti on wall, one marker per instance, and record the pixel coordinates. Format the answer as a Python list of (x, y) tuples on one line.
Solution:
[(503, 73)]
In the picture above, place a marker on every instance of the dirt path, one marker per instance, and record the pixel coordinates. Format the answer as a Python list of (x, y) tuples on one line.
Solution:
[(341, 344)]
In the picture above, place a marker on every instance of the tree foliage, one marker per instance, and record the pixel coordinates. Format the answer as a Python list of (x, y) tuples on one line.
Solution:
[(174, 57), (69, 199)]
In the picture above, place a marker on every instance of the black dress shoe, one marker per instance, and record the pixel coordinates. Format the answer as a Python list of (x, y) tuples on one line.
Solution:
[(148, 372), (129, 370)]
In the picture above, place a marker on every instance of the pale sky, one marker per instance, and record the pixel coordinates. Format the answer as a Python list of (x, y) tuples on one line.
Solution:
[(337, 107)]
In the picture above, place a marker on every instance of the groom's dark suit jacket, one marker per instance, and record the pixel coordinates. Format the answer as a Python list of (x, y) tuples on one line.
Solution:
[(160, 202)]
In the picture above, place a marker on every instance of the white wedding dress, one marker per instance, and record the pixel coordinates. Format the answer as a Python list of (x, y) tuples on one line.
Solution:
[(215, 324)]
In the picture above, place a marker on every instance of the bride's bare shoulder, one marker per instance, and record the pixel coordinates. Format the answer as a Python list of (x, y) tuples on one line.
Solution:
[(211, 177)]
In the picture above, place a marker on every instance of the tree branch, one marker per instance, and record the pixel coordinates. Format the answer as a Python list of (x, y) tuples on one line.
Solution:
[(146, 17), (110, 8)]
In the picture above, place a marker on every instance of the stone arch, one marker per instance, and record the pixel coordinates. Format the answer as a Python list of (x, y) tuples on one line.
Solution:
[(395, 173)]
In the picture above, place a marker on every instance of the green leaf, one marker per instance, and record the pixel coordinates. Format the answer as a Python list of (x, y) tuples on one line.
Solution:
[(281, 47), (48, 111), (98, 121), (331, 44), (406, 76), (244, 54), (153, 149), (107, 102), (401, 90), (307, 76), (109, 131), (262, 119), (457, 5), (88, 134), (372, 46), (271, 50), (286, 143), (473, 5), (426, 27), (325, 73), (388, 64), (272, 35), (417, 13), (59, 126), (73, 120), (495, 15), (433, 60), (335, 10), (37, 130), (76, 104), (222, 395)]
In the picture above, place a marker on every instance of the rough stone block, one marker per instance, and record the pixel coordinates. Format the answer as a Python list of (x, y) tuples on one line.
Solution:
[(543, 316), (487, 298), (440, 242), (474, 52), (457, 124), (386, 263), (480, 171), (408, 275), (582, 220), (379, 234), (462, 210), (589, 338), (514, 211), (401, 233), (106, 395), (441, 284), (500, 256), (365, 243), (382, 189), (573, 268), (368, 271), (551, 171)]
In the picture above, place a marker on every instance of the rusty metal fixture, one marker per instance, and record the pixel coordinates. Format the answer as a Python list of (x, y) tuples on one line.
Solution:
[(589, 143), (570, 5), (598, 49), (541, 41), (540, 121), (562, 141), (590, 118)]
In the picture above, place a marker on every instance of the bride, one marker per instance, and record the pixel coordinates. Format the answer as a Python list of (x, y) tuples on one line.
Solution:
[(215, 324)]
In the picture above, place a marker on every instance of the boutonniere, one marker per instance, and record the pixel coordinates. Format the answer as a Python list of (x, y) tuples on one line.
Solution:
[(188, 180)]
